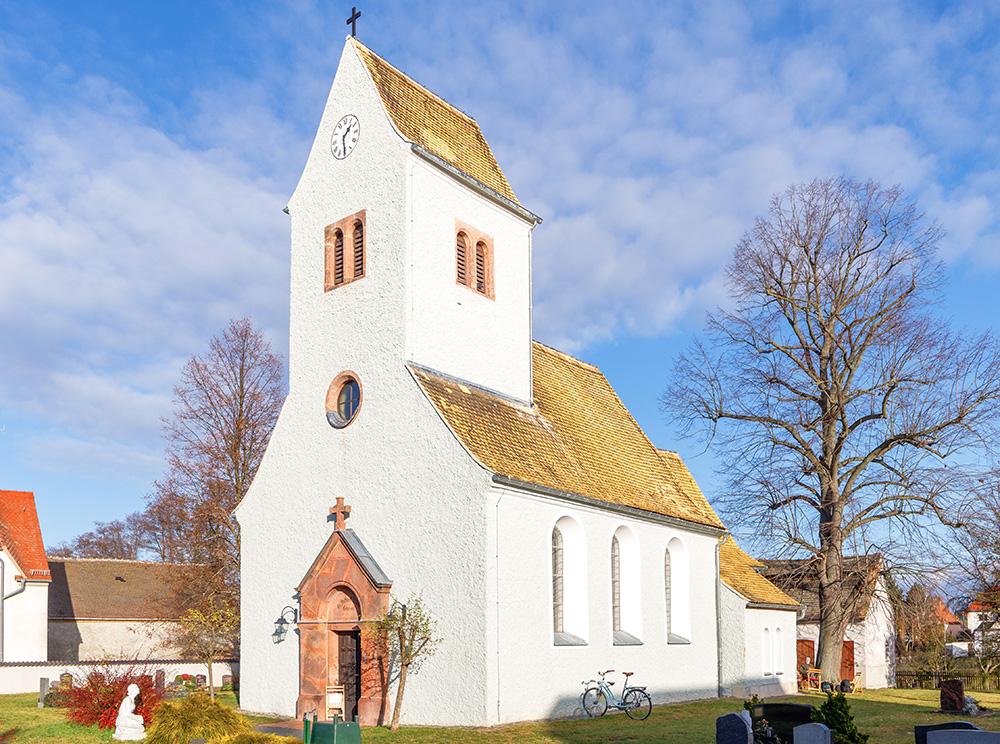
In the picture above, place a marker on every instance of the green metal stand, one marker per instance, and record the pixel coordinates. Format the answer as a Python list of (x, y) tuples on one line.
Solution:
[(335, 732)]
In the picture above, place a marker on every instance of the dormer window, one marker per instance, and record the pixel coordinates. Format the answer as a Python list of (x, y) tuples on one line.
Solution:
[(340, 267), (474, 260)]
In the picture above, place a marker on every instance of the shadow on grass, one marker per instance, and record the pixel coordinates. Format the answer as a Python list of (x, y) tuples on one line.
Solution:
[(8, 735)]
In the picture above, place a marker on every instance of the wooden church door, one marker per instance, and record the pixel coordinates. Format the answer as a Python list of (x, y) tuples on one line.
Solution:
[(349, 670)]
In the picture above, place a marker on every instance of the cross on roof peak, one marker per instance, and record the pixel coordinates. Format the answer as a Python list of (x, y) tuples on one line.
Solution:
[(340, 512), (353, 20)]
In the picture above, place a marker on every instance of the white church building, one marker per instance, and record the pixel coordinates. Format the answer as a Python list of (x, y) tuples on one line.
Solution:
[(500, 479)]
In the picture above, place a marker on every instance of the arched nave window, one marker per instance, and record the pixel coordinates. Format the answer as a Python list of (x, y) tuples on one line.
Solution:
[(569, 584), (766, 652), (626, 588), (779, 652), (677, 583)]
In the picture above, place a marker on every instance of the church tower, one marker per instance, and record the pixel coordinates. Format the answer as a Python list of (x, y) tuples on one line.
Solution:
[(408, 243)]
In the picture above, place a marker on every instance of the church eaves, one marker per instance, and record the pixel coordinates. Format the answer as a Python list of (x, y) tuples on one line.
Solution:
[(578, 438), (433, 124), (739, 572)]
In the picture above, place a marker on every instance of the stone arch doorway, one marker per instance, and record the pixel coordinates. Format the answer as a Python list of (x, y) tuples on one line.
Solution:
[(340, 597)]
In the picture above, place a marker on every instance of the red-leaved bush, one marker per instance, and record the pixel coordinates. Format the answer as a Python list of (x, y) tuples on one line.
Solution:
[(96, 697)]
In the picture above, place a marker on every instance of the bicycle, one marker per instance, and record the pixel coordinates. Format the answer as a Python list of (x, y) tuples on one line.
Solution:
[(634, 700)]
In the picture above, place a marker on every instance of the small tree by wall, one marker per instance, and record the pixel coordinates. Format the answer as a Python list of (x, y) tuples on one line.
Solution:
[(207, 635), (407, 632)]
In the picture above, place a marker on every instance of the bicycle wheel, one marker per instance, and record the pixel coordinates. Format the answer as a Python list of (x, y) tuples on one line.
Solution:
[(637, 705), (594, 702)]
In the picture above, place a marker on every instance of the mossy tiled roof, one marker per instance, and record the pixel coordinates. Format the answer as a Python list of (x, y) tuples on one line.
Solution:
[(578, 438), (739, 571), (431, 122)]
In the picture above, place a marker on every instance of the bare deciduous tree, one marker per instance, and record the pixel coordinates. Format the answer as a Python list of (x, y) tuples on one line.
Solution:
[(843, 407), (225, 407), (407, 633)]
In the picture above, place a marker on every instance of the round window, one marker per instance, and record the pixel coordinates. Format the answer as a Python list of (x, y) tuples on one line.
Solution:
[(343, 399)]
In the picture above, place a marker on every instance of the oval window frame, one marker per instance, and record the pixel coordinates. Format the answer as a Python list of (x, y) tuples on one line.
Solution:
[(333, 416)]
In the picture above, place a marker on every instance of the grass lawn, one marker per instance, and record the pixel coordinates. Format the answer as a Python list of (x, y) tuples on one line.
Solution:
[(22, 720), (888, 715)]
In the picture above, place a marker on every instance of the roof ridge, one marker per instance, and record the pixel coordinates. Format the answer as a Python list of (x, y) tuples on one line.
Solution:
[(568, 357), (63, 559), (420, 85)]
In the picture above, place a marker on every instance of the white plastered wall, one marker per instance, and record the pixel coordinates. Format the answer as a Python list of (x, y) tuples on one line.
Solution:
[(25, 615), (870, 644), (778, 676), (450, 327), (91, 640), (530, 677), (743, 667), (417, 498)]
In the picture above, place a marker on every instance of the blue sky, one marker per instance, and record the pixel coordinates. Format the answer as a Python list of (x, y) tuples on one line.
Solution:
[(146, 151)]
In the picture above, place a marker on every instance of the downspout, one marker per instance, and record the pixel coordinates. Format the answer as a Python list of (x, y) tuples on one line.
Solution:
[(718, 617), (4, 598), (496, 568)]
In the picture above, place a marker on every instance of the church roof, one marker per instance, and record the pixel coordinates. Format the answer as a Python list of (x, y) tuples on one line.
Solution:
[(577, 438), (740, 573), (434, 124), (108, 588), (21, 536)]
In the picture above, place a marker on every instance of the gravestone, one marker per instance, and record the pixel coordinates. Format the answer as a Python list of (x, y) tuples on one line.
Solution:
[(160, 680), (953, 736), (43, 690), (227, 680), (65, 680), (920, 732), (733, 728), (782, 718), (952, 695), (812, 733), (200, 679)]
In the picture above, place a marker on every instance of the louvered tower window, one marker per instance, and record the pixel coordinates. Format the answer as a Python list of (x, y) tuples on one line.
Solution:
[(557, 581), (359, 250), (481, 267), (461, 260), (616, 586), (338, 258)]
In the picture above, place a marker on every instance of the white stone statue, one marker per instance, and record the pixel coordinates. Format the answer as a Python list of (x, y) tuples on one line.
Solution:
[(128, 725)]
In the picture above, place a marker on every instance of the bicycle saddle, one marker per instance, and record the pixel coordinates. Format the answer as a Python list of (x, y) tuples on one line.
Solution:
[(628, 674)]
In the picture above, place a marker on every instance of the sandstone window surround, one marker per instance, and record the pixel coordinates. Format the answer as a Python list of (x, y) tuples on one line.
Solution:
[(474, 260), (345, 251)]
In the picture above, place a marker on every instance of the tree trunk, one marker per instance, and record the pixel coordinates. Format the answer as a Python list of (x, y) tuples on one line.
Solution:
[(399, 697), (831, 615), (211, 685)]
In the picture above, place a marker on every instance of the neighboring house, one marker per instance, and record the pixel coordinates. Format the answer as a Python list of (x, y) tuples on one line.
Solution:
[(73, 610), (113, 609), (758, 627), (957, 638), (24, 580), (870, 641), (500, 479), (982, 618)]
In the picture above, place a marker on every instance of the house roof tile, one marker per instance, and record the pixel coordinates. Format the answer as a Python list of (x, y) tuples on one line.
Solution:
[(105, 588), (799, 578), (21, 535)]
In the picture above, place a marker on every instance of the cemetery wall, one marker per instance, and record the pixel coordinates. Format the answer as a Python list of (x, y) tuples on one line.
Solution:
[(538, 679), (82, 640), (24, 677), (421, 511)]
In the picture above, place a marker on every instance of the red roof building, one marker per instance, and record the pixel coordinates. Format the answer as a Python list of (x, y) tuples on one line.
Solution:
[(21, 536)]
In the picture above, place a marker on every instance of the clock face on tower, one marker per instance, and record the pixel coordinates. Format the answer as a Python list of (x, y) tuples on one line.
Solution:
[(345, 136)]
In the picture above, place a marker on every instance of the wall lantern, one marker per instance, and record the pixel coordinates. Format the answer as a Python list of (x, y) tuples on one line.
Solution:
[(286, 618)]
